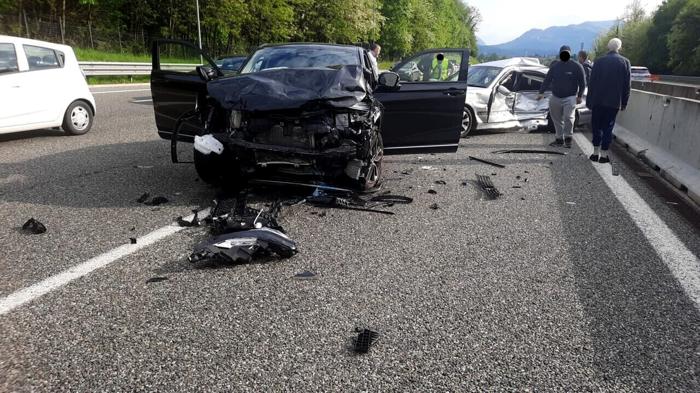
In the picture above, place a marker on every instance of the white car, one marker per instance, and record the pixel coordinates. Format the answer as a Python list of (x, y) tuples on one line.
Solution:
[(503, 94), (641, 74), (42, 86)]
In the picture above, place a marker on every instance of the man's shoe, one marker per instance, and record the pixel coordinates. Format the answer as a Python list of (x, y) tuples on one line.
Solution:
[(557, 143), (567, 143), (604, 160), (594, 157)]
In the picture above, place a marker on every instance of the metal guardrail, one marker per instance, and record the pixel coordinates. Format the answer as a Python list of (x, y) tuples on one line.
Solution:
[(106, 68), (691, 80)]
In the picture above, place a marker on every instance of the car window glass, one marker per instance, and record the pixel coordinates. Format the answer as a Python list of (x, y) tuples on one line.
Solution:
[(8, 58), (177, 57), (431, 67), (301, 57), (528, 82), (482, 76), (40, 58)]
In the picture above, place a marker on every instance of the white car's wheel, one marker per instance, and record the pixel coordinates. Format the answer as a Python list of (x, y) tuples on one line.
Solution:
[(78, 118), (468, 122)]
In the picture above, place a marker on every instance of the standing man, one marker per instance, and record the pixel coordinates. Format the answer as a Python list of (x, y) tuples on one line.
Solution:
[(568, 81), (374, 50), (587, 65), (608, 93)]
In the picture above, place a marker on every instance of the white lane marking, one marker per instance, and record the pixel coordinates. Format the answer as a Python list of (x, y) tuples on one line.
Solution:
[(684, 265), (144, 100), (18, 298), (119, 91)]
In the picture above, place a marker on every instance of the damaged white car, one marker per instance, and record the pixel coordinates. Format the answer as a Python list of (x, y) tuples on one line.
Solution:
[(503, 94)]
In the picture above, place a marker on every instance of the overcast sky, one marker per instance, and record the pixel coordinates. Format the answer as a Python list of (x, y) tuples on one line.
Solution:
[(505, 20)]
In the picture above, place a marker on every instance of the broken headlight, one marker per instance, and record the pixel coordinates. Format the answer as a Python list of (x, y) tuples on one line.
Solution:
[(236, 119)]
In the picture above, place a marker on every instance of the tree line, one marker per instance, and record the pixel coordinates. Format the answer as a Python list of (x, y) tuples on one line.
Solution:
[(238, 26), (667, 41)]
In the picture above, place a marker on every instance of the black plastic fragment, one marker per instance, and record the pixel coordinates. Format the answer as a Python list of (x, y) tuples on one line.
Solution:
[(364, 340), (132, 240), (528, 151), (305, 275), (157, 201), (487, 162), (434, 206), (156, 279), (34, 226), (487, 187), (244, 246), (143, 198), (442, 182), (431, 191), (389, 198)]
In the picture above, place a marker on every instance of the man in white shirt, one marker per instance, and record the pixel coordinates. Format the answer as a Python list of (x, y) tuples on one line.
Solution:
[(374, 50)]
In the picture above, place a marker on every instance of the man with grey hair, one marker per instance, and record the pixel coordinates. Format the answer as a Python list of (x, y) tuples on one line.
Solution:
[(568, 81), (608, 93)]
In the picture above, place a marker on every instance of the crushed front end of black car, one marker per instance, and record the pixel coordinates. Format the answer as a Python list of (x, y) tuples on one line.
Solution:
[(321, 123)]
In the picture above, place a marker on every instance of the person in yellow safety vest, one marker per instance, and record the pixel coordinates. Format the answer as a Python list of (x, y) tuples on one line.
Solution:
[(440, 69)]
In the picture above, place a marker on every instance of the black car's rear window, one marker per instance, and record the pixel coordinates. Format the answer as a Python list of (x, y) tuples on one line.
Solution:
[(301, 57)]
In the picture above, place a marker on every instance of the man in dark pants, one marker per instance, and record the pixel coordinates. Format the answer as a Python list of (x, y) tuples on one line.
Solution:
[(608, 93), (568, 81)]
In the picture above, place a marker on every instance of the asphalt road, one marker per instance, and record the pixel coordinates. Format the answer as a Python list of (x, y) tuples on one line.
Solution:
[(555, 286)]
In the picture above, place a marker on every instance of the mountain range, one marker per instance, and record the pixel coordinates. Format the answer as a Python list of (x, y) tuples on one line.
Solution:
[(538, 42)]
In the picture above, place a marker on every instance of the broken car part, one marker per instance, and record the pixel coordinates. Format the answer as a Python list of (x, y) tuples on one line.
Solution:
[(305, 275), (207, 144), (528, 151), (143, 198), (341, 203), (244, 246), (156, 279), (34, 226), (487, 162), (487, 187), (364, 340)]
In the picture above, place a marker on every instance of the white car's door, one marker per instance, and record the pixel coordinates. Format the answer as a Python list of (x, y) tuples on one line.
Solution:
[(502, 100), (14, 98), (44, 81)]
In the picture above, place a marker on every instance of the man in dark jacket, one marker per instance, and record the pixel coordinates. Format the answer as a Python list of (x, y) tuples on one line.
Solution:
[(567, 80), (587, 64), (608, 93)]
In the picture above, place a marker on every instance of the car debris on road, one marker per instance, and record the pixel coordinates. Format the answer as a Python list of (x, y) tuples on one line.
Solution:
[(487, 162), (364, 340), (486, 185), (528, 151), (34, 226), (244, 246)]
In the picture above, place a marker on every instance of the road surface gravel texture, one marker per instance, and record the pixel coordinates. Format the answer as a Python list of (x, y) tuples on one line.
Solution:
[(550, 287)]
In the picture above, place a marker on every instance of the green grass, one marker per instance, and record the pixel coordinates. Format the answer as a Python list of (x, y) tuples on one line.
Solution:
[(84, 54), (107, 80)]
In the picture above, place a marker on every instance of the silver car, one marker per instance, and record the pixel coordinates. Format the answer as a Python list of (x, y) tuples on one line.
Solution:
[(503, 94)]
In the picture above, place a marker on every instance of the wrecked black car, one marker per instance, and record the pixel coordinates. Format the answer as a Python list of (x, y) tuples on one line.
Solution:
[(308, 110)]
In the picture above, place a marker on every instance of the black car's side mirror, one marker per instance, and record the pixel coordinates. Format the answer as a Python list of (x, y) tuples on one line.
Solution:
[(389, 79), (206, 73)]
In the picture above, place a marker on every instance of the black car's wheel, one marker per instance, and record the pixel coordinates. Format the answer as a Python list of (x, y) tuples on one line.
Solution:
[(78, 118), (217, 169), (468, 122), (372, 172)]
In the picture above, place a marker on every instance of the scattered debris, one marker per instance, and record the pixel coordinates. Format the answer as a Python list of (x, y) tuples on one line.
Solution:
[(487, 162), (143, 198), (570, 203), (34, 226), (157, 201), (305, 275), (464, 183), (407, 171), (487, 187), (434, 206), (322, 199), (517, 177), (156, 279), (198, 217), (441, 182), (243, 246), (364, 340), (528, 151), (132, 240), (526, 171), (431, 191), (516, 187), (427, 168), (132, 229), (390, 200)]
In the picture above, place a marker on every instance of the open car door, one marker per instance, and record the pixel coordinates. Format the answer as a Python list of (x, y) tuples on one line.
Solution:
[(179, 76), (424, 112), (502, 100), (527, 107)]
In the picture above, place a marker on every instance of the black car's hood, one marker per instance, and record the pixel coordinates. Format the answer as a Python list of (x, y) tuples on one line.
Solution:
[(283, 89)]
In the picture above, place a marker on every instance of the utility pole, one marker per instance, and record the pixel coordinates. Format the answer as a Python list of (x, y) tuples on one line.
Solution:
[(199, 32)]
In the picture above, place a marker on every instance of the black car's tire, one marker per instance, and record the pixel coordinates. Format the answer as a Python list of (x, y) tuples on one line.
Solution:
[(77, 120), (372, 173), (468, 122), (217, 169)]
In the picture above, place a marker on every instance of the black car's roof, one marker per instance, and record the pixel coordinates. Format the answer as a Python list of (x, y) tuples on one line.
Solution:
[(319, 44)]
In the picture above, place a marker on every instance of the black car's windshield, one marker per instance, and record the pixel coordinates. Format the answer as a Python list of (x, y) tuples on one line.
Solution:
[(482, 76), (293, 56)]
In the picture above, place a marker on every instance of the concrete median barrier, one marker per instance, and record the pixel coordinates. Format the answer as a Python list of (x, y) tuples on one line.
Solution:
[(665, 132)]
